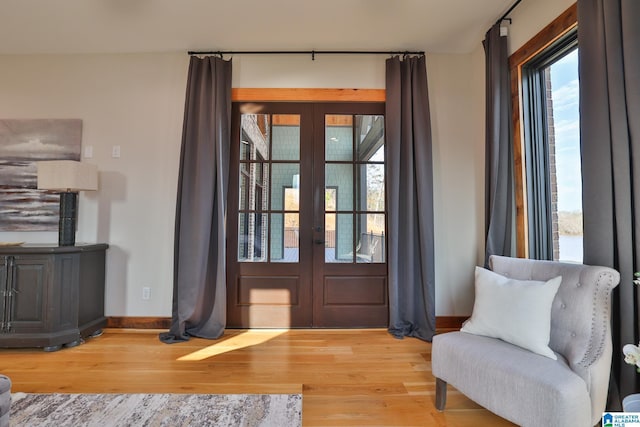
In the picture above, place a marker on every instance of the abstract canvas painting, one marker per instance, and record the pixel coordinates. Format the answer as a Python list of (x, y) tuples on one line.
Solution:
[(23, 142)]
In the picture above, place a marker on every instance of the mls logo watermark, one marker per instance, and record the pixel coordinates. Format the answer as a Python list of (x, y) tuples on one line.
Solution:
[(621, 419)]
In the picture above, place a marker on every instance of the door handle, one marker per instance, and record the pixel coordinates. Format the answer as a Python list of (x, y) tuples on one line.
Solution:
[(319, 242)]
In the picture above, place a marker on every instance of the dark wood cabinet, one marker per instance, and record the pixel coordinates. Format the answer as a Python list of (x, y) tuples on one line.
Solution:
[(51, 296)]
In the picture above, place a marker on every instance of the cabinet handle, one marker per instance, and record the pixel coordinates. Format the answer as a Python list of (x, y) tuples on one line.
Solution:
[(9, 312), (4, 293)]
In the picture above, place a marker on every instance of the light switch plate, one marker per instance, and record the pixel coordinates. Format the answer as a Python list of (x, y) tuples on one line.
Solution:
[(88, 152), (115, 151)]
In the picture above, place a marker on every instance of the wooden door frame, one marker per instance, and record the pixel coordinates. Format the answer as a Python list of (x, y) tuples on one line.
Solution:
[(307, 95)]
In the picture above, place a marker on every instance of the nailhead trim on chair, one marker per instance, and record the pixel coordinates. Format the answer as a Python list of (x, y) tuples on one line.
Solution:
[(590, 356)]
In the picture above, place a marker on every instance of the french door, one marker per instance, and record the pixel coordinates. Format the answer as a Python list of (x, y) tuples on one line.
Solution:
[(306, 217)]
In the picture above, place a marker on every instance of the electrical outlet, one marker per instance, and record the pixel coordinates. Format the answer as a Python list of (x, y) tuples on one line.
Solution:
[(146, 293)]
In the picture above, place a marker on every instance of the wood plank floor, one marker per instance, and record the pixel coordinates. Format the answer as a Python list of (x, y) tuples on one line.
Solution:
[(346, 377)]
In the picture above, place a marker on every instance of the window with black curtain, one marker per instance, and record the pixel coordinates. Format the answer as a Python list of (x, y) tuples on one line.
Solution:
[(550, 125)]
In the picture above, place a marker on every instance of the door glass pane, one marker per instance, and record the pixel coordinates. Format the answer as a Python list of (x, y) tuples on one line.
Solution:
[(286, 137), (370, 134), (340, 178), (254, 137), (252, 237), (339, 238), (253, 177), (330, 199), (243, 201), (277, 237), (292, 199), (338, 137), (371, 244), (370, 187), (285, 240), (284, 176), (329, 237), (288, 250)]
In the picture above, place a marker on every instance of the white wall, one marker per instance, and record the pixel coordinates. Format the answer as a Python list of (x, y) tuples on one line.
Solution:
[(457, 106), (531, 16), (299, 71), (135, 101)]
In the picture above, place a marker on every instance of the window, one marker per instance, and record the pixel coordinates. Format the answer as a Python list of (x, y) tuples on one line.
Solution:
[(549, 203)]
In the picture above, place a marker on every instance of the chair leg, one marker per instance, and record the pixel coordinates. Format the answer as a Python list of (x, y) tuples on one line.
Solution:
[(441, 394)]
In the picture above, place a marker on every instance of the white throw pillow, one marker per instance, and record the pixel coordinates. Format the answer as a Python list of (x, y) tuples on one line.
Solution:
[(515, 311)]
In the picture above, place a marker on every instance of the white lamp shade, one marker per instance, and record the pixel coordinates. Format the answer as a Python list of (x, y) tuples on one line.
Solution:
[(67, 175)]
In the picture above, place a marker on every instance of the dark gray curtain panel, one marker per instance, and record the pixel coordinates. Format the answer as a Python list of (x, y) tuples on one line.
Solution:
[(609, 55), (499, 209), (199, 287), (410, 193)]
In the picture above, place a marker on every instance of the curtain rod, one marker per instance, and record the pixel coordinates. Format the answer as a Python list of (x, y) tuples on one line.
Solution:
[(504, 17), (313, 53)]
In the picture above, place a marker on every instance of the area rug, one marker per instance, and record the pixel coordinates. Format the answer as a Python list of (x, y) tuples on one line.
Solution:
[(151, 410)]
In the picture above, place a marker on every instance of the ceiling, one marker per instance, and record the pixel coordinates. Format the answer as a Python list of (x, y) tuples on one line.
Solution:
[(122, 26)]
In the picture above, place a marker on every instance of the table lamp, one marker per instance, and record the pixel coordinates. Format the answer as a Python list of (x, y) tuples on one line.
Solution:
[(67, 177)]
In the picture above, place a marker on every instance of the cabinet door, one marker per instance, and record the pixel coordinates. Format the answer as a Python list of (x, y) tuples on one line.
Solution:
[(29, 280)]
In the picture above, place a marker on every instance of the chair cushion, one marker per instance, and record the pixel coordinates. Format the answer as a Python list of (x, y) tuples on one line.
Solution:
[(5, 384), (5, 400), (521, 386), (516, 311)]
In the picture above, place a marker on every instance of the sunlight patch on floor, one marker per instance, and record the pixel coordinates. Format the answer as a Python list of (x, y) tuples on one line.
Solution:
[(243, 340)]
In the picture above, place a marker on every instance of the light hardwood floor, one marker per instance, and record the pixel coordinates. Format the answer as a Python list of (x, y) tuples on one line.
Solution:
[(346, 377)]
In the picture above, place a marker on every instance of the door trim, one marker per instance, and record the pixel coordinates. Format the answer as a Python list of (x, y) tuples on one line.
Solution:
[(307, 95)]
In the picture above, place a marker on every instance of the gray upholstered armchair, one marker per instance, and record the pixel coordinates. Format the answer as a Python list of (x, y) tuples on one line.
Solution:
[(528, 388), (5, 400)]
